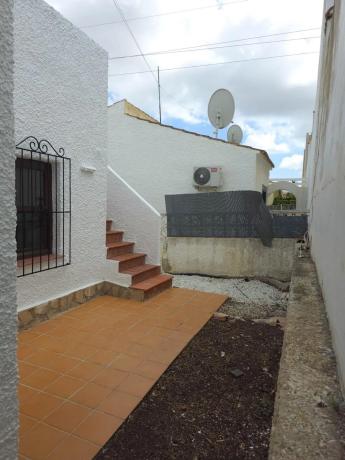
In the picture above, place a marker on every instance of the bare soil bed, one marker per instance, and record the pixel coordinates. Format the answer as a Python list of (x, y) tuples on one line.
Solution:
[(199, 409)]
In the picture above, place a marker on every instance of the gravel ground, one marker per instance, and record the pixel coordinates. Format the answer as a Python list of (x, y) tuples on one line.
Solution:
[(248, 299)]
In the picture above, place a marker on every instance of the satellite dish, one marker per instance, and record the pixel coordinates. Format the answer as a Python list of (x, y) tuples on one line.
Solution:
[(235, 134), (221, 109)]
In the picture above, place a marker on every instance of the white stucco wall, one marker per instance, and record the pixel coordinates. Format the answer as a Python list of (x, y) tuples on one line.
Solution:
[(8, 314), (326, 177), (61, 95), (262, 172), (140, 222), (158, 160)]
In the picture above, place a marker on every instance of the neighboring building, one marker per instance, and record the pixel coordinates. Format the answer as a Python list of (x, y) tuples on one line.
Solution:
[(8, 311), (60, 96), (326, 172), (157, 160)]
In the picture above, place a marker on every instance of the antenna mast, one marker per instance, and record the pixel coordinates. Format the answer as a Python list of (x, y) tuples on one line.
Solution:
[(159, 97)]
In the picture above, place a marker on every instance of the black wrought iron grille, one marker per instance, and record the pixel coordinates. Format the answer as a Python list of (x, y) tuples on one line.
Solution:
[(43, 200)]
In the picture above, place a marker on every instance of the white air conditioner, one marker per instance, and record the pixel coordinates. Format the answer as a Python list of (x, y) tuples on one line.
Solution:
[(207, 177)]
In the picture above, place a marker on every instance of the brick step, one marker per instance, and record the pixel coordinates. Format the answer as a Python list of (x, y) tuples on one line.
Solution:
[(154, 285), (113, 236), (109, 223), (129, 260), (143, 272), (122, 247)]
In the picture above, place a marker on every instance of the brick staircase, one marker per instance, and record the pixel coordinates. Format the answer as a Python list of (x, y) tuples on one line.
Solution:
[(146, 279)]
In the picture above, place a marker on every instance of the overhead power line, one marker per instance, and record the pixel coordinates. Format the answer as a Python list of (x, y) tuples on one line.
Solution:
[(144, 58), (193, 50), (168, 13), (218, 63), (124, 20)]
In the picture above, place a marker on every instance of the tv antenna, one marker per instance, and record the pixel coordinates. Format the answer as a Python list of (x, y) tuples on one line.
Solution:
[(221, 109), (235, 134)]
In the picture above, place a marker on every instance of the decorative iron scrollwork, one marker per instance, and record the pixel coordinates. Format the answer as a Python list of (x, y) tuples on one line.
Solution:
[(32, 144)]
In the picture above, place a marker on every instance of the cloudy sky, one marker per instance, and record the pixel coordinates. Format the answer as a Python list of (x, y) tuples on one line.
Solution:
[(274, 97)]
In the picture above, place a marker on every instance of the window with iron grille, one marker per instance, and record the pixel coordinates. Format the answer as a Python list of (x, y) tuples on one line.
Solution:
[(43, 201)]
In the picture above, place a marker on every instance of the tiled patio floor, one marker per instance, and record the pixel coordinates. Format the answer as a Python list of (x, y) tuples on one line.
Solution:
[(82, 373)]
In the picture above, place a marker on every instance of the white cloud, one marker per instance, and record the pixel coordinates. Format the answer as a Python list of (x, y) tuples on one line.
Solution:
[(293, 162), (275, 96), (267, 141)]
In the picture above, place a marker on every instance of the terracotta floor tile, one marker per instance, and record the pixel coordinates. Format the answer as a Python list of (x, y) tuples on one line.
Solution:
[(103, 357), (26, 424), (45, 327), (85, 371), (54, 344), (73, 448), (67, 416), (125, 362), (139, 351), (160, 331), (150, 369), (119, 404), (24, 351), (110, 378), (28, 336), (25, 393), (150, 340), (64, 386), (81, 351), (37, 443), (62, 364), (42, 358), (40, 405), (91, 395), (119, 345), (40, 378), (136, 385), (25, 369), (98, 427), (163, 356), (97, 341)]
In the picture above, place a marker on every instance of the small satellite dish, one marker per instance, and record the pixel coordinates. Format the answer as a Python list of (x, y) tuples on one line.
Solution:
[(235, 134), (221, 109)]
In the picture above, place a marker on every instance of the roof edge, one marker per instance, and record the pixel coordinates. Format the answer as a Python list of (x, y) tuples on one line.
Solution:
[(262, 152)]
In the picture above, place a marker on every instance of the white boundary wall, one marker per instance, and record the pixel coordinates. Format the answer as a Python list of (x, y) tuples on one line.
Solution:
[(326, 172), (157, 160), (8, 314), (61, 95), (140, 221)]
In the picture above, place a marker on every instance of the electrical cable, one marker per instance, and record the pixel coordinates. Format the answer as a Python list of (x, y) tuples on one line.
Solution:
[(184, 50), (217, 63)]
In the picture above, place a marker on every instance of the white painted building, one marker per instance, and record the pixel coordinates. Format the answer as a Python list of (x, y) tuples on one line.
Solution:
[(326, 173), (8, 313), (158, 160), (61, 95)]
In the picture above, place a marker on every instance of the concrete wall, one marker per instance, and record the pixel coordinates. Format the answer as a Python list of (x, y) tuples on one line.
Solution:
[(8, 314), (61, 95), (230, 257), (326, 177), (158, 160)]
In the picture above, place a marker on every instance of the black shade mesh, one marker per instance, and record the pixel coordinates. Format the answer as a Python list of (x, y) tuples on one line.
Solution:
[(240, 214)]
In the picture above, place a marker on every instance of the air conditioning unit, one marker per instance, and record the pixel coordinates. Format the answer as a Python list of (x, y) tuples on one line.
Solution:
[(207, 177)]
